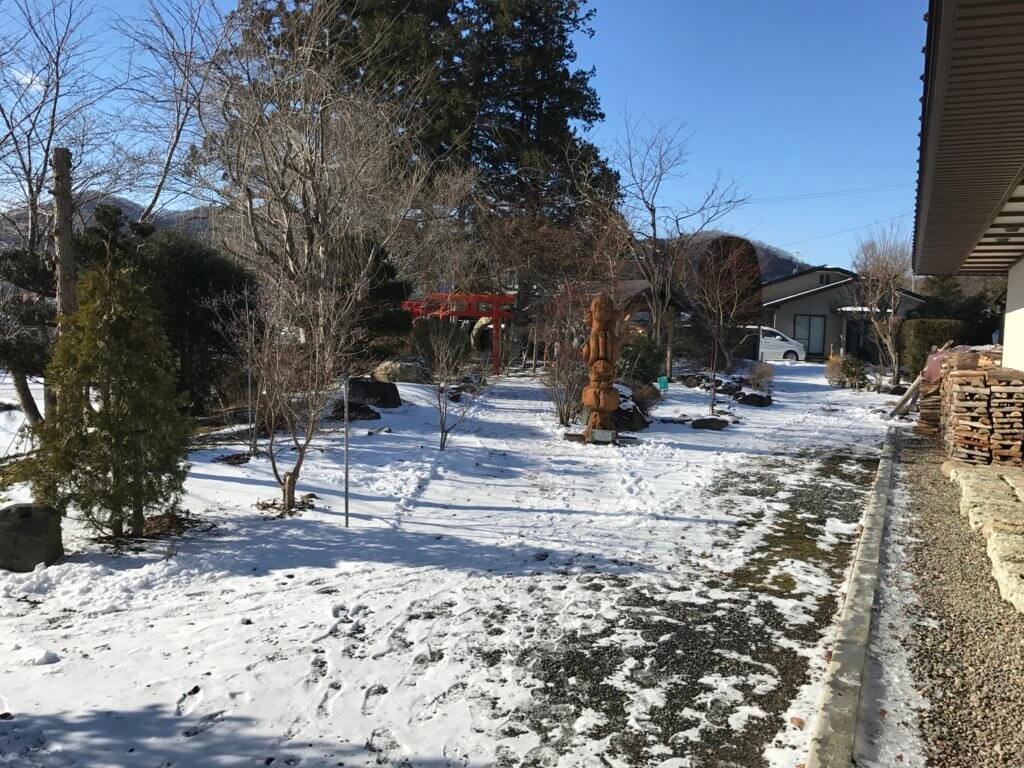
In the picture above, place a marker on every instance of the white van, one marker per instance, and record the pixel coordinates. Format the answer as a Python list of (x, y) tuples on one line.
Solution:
[(775, 345)]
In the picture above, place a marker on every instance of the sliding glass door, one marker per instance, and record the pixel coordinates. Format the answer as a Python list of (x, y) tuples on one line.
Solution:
[(809, 330)]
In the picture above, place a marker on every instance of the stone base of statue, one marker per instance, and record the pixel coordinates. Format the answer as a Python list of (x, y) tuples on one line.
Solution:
[(599, 437)]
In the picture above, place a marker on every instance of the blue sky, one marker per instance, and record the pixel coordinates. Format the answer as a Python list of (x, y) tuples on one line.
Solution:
[(787, 97)]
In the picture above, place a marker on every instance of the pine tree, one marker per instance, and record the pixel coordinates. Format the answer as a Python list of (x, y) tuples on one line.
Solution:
[(496, 80), (116, 446)]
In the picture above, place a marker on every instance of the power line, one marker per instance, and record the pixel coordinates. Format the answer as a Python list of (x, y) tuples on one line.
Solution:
[(834, 193), (844, 231)]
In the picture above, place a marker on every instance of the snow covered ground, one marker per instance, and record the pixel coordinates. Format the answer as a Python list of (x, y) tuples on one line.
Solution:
[(518, 600)]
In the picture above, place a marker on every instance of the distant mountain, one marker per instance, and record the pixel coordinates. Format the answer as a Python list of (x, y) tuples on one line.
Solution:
[(777, 262), (195, 221)]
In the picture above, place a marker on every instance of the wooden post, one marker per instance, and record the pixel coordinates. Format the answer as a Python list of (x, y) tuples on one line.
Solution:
[(346, 448), (63, 247), (496, 341), (63, 234)]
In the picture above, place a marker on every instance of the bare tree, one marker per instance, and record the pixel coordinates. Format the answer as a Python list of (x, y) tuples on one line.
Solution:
[(722, 281), (454, 369), (173, 50), (321, 179), (51, 96), (647, 159), (565, 376), (883, 266), (300, 356)]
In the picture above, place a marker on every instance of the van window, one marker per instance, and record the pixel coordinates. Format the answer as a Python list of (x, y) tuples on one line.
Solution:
[(766, 334)]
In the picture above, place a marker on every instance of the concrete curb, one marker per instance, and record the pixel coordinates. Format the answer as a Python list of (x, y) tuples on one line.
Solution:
[(834, 732)]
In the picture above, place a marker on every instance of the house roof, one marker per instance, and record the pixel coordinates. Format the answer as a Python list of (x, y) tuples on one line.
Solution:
[(970, 195), (831, 286), (809, 292), (810, 271)]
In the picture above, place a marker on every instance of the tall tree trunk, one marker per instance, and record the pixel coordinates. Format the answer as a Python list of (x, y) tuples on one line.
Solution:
[(668, 346), (288, 492), (25, 399), (138, 523), (63, 245)]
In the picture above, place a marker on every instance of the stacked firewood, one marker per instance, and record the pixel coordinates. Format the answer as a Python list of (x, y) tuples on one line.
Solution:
[(967, 424), (1006, 408), (929, 405)]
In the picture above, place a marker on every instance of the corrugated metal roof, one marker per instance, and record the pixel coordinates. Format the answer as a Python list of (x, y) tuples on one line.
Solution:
[(970, 198)]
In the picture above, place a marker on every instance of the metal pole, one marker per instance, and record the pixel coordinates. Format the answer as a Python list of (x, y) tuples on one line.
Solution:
[(346, 450)]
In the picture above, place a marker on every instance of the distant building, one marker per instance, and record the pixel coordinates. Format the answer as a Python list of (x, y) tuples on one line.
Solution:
[(815, 307)]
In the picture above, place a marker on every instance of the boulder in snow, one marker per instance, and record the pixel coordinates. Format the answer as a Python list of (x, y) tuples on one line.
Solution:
[(408, 371), (629, 418), (29, 534), (757, 399), (382, 394), (709, 422), (356, 411)]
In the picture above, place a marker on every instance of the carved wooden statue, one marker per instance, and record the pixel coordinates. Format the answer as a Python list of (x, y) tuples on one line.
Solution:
[(600, 353)]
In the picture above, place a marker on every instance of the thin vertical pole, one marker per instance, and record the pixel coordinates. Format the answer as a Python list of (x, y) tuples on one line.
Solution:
[(346, 450)]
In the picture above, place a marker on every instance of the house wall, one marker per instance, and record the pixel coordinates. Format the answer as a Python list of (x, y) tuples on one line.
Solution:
[(1013, 324), (816, 304), (799, 284)]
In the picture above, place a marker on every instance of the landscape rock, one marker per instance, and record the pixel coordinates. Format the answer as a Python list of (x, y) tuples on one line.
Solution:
[(646, 397), (29, 534), (709, 422), (630, 419), (406, 371), (729, 388), (382, 394), (356, 411), (756, 399)]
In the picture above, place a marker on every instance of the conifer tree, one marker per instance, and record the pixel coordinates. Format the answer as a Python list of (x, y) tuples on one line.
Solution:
[(116, 446)]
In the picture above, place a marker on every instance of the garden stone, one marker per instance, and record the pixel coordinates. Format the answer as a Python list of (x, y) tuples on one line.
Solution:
[(356, 411), (709, 422), (630, 419), (407, 371), (382, 394), (29, 534), (756, 399)]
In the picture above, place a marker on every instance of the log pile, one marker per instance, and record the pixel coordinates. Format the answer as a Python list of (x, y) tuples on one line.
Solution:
[(929, 406), (981, 410), (967, 424), (1006, 408)]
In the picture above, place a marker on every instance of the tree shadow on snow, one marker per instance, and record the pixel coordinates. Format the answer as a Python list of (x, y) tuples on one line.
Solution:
[(154, 735)]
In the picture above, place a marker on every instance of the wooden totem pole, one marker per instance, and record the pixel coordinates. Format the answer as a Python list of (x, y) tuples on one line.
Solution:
[(600, 353)]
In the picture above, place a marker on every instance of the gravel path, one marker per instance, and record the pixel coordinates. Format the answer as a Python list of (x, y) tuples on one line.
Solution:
[(967, 646)]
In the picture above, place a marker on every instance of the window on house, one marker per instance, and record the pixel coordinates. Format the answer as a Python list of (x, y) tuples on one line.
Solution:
[(824, 279)]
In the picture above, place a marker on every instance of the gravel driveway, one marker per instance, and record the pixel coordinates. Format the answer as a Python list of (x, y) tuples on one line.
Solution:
[(965, 646)]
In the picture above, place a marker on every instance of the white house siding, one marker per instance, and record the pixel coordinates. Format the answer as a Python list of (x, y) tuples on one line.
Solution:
[(1013, 329)]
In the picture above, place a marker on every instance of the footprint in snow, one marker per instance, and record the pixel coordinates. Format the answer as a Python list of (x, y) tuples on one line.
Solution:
[(188, 701), (205, 723), (372, 698)]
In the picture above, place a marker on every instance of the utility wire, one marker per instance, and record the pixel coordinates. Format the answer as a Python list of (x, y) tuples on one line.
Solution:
[(844, 231), (822, 195)]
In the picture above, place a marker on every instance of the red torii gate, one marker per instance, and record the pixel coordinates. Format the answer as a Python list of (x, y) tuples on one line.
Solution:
[(468, 306)]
